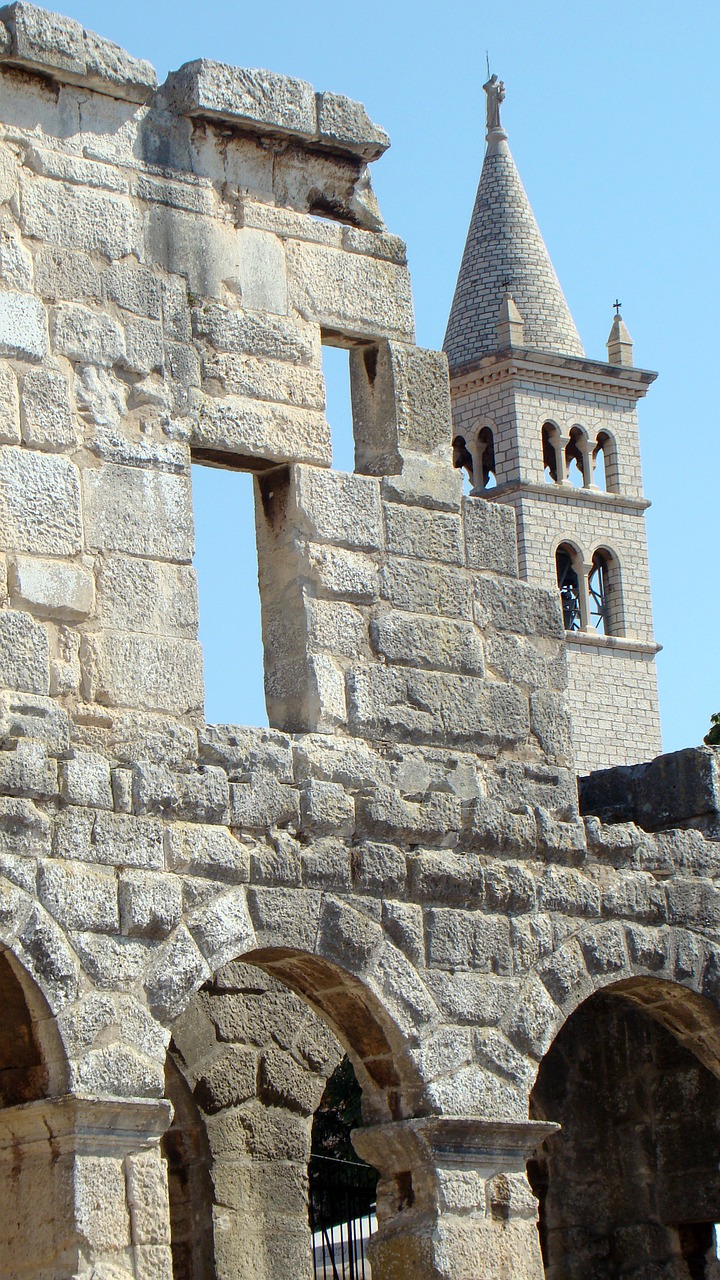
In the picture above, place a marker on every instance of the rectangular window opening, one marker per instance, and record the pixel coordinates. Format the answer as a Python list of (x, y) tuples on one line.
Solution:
[(338, 405), (227, 569)]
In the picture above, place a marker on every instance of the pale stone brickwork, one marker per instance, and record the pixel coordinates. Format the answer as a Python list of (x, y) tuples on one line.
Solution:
[(505, 250), (197, 920), (511, 376)]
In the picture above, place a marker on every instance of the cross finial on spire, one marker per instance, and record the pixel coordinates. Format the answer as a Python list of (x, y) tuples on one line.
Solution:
[(617, 305)]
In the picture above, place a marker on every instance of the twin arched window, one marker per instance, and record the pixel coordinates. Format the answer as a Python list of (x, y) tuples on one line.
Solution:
[(475, 454), (574, 459), (591, 594)]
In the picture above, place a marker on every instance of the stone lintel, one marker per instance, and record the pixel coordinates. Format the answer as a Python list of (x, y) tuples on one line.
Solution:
[(547, 366), (93, 1126)]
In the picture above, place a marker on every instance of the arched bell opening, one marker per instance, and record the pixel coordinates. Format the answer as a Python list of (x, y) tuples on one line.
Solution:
[(630, 1185), (569, 575)]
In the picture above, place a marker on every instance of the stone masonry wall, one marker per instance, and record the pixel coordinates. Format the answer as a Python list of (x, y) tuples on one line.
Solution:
[(402, 850)]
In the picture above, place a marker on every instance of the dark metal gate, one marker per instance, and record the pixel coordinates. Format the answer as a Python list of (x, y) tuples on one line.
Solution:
[(342, 1217)]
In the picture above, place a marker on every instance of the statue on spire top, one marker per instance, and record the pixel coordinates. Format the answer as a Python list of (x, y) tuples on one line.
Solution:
[(495, 90)]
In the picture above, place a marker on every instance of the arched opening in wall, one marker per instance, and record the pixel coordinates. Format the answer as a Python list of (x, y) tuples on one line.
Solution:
[(35, 1215), (576, 458), (486, 464), (605, 464), (258, 1063), (630, 1185), (186, 1150), (552, 453), (342, 1187), (604, 594), (568, 570), (463, 461)]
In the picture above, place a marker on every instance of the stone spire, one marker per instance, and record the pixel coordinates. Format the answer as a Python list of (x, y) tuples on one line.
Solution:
[(505, 251)]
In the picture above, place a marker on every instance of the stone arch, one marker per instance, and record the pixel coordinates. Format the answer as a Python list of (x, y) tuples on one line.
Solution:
[(256, 1053), (605, 568), (336, 958), (671, 972), (570, 575), (633, 1078), (577, 450), (606, 444), (35, 1076), (474, 451), (553, 455)]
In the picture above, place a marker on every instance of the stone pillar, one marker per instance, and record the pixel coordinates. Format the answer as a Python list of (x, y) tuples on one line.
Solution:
[(454, 1202), (83, 1190)]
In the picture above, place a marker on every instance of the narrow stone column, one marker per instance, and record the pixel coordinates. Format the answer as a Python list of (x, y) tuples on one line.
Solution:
[(83, 1189), (454, 1202)]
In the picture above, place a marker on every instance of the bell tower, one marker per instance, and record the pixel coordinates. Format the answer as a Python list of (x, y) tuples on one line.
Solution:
[(542, 428)]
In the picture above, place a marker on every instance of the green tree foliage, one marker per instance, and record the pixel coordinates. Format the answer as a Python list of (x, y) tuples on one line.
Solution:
[(712, 739), (339, 1111)]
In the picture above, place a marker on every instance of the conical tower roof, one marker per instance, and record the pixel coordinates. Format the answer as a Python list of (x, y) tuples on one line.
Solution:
[(505, 252)]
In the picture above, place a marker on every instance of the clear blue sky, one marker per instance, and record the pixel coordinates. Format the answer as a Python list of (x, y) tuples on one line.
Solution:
[(612, 112)]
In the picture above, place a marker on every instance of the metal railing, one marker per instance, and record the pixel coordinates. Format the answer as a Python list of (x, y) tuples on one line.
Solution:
[(342, 1217)]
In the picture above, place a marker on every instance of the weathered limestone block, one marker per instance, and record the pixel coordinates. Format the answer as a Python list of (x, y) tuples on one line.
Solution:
[(439, 589), (16, 264), (146, 595), (258, 429), (27, 771), (331, 506), (353, 295), (9, 406), (51, 588), (39, 503), (24, 653), (23, 327), (509, 605), (87, 336), (401, 402), (64, 50), (27, 715), (427, 535), (77, 218), (150, 904), (424, 706), (78, 896), (123, 669), (343, 574), (417, 641), (259, 379), (345, 125), (262, 99), (140, 512), (65, 274), (490, 536), (206, 851), (85, 780), (266, 337), (45, 409)]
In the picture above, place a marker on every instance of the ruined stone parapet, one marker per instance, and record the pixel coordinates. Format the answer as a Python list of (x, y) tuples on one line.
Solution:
[(681, 789)]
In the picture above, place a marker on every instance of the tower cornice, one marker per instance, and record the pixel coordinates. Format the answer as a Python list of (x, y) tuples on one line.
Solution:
[(553, 369)]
